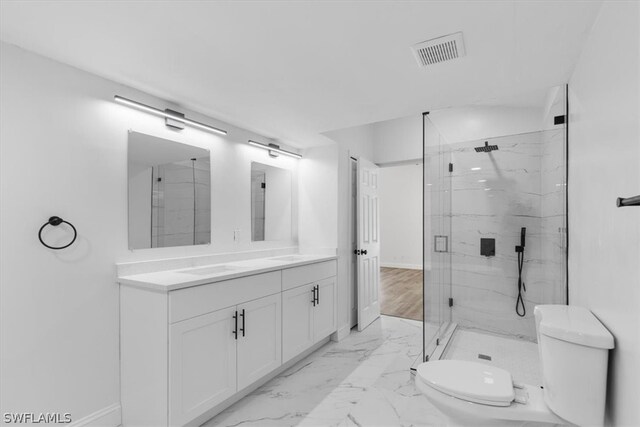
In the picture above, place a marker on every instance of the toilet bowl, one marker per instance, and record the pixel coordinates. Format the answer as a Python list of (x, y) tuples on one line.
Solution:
[(573, 347), (474, 394)]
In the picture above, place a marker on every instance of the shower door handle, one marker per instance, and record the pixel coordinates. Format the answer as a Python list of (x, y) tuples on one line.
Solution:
[(441, 243)]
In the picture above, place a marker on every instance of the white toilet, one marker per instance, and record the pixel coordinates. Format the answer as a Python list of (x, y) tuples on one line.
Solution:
[(574, 348)]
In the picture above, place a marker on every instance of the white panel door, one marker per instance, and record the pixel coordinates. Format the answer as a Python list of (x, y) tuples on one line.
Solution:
[(202, 364), (297, 321), (368, 243), (259, 338), (324, 312)]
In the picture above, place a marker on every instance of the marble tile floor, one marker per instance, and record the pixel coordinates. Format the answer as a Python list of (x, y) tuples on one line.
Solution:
[(520, 357), (363, 380)]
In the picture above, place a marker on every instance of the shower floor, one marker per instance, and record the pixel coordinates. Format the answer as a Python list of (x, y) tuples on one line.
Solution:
[(520, 357)]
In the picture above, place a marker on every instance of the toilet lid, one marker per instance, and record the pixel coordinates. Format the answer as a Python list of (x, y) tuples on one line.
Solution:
[(471, 381)]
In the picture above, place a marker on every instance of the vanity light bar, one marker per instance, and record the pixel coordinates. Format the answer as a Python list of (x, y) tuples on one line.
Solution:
[(275, 149), (167, 114)]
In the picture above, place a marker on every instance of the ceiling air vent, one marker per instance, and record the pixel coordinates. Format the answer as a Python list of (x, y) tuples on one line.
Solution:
[(439, 49)]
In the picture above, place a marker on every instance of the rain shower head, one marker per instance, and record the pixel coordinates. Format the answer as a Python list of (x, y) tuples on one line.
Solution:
[(487, 148)]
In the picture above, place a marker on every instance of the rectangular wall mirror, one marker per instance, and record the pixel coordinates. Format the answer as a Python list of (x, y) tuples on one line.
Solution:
[(271, 205), (169, 193)]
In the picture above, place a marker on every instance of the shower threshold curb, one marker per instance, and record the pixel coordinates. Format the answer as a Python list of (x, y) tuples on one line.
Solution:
[(440, 350)]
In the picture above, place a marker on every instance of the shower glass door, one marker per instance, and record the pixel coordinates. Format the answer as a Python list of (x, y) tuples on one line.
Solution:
[(437, 237), (510, 197), (495, 231)]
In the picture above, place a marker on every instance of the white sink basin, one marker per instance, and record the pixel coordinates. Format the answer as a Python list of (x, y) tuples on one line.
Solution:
[(243, 265), (291, 258), (256, 263), (213, 269)]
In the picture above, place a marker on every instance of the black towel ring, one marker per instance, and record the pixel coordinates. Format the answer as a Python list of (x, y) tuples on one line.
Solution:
[(55, 221)]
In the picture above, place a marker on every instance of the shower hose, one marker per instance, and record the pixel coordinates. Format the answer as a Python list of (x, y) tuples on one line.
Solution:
[(520, 308)]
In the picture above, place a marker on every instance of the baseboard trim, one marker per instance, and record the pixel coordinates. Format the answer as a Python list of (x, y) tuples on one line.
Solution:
[(111, 416), (341, 333), (405, 266)]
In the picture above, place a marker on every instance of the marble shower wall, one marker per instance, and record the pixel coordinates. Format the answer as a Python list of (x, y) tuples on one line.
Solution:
[(172, 212), (494, 195)]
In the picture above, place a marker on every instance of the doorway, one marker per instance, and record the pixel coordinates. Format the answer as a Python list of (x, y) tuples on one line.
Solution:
[(401, 282), (393, 281)]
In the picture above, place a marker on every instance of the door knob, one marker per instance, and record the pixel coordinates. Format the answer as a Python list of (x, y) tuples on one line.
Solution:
[(364, 252), (356, 251)]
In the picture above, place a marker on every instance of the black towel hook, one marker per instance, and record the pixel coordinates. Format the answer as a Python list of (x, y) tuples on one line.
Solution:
[(55, 221)]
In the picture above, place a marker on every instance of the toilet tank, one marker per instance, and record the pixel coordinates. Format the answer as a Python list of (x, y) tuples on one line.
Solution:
[(574, 348)]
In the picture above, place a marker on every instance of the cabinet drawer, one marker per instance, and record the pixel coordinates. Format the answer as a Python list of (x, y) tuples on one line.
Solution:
[(191, 302), (304, 274)]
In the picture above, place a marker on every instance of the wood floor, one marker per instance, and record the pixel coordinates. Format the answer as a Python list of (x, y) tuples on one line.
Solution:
[(401, 292)]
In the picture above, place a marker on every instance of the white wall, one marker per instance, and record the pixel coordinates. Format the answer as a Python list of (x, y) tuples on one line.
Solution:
[(604, 154), (477, 121), (318, 219), (400, 140), (63, 152), (397, 140), (401, 216)]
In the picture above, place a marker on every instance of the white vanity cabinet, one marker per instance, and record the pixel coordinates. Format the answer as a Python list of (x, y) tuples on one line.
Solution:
[(308, 306), (259, 339), (214, 355), (324, 312), (202, 359), (188, 352)]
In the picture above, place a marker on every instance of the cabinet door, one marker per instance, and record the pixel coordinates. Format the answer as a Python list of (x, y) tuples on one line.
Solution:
[(202, 364), (297, 321), (324, 313), (259, 338)]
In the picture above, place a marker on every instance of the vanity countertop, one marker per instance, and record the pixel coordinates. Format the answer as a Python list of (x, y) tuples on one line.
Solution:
[(171, 280)]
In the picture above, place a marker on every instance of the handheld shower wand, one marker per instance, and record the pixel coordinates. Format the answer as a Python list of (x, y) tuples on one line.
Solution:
[(520, 308)]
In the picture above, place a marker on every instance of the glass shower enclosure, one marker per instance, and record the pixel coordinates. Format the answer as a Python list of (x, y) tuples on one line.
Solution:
[(480, 206), (437, 223)]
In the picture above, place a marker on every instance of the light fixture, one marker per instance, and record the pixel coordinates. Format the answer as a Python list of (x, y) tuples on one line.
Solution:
[(482, 180), (274, 149), (476, 169), (173, 118)]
